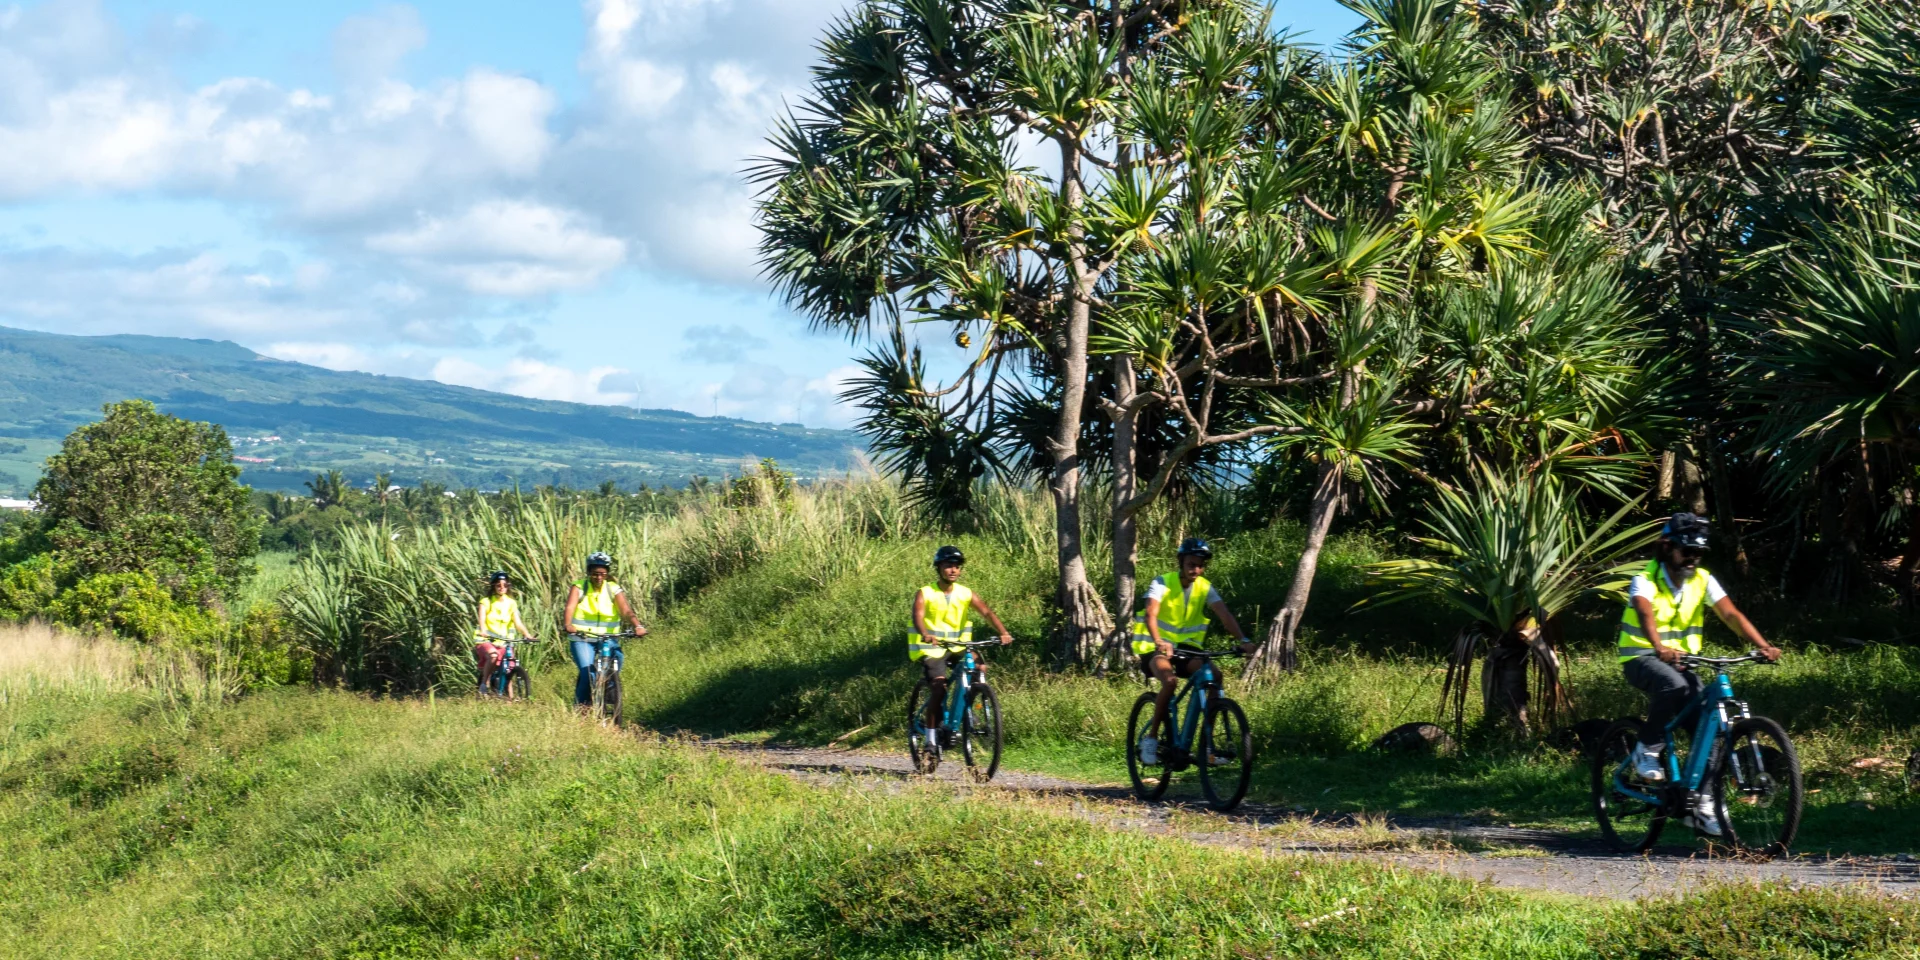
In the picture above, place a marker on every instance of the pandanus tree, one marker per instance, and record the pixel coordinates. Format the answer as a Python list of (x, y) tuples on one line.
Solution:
[(957, 165), (1511, 553)]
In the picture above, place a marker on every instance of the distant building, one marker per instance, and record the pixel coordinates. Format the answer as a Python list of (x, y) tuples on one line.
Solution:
[(8, 504)]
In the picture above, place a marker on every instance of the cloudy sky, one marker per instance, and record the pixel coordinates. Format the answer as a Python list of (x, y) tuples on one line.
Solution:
[(533, 196)]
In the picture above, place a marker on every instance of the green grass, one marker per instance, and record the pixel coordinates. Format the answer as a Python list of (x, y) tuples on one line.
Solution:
[(780, 650), (329, 825)]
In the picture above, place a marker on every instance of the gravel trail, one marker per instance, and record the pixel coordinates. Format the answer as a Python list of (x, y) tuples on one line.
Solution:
[(1528, 859)]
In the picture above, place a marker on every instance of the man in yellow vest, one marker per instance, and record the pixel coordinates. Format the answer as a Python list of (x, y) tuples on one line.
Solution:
[(595, 608), (1176, 617), (1664, 620), (942, 621)]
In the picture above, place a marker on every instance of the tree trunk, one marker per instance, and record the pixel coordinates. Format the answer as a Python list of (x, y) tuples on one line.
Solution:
[(1503, 681), (1279, 651), (1126, 482), (1083, 618), (1723, 506)]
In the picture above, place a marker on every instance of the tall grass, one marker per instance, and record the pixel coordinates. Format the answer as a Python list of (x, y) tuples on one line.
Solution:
[(38, 660)]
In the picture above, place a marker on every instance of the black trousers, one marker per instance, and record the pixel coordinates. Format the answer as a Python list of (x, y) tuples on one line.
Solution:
[(1669, 691)]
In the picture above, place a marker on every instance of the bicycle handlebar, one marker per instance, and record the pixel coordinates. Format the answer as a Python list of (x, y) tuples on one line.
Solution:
[(604, 636), (1206, 654), (495, 636), (1692, 660)]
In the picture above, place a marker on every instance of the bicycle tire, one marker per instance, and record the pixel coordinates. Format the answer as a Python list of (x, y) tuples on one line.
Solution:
[(1627, 824), (981, 727), (924, 750), (1759, 810), (1225, 734), (519, 685), (615, 701), (1146, 785)]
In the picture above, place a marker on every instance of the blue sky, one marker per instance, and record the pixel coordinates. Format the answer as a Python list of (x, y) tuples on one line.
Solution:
[(537, 197)]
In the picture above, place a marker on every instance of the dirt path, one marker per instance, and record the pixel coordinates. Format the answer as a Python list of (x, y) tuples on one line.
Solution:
[(1529, 859)]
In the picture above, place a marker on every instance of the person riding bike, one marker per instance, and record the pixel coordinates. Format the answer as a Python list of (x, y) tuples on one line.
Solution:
[(1175, 617), (1664, 620), (595, 608), (497, 619), (941, 624)]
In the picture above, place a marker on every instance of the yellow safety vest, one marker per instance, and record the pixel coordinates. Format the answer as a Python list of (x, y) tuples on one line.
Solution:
[(1183, 616), (496, 617), (948, 616), (1682, 620), (597, 612)]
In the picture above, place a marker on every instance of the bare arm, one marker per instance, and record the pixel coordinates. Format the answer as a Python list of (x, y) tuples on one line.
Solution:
[(1219, 608), (1738, 623), (986, 611), (480, 619), (920, 615), (566, 619), (626, 609), (1152, 616)]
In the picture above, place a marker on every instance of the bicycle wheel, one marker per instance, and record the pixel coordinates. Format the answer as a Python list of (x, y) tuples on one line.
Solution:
[(1913, 770), (1756, 787), (921, 743), (1628, 823), (613, 701), (980, 734), (519, 686), (1149, 782), (1226, 755)]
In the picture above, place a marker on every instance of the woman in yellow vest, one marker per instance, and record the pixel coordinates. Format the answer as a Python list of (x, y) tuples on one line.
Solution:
[(1665, 616), (595, 608), (942, 621), (498, 619), (1175, 617)]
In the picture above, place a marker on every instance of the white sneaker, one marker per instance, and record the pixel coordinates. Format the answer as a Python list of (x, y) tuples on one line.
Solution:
[(1150, 751), (1705, 820), (1647, 765)]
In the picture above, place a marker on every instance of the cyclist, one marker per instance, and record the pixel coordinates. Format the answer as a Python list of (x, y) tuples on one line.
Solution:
[(1668, 600), (595, 608), (498, 617), (942, 615), (1176, 617)]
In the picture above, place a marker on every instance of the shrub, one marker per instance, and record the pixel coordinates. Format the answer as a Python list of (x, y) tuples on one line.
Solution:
[(28, 588), (1774, 921), (135, 606)]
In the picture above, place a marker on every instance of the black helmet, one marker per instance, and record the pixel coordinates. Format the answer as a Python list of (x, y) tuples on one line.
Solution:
[(948, 554), (1196, 547), (497, 576), (598, 559), (1687, 530)]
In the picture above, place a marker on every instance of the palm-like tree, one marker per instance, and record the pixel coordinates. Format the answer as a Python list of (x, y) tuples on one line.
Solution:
[(1511, 554)]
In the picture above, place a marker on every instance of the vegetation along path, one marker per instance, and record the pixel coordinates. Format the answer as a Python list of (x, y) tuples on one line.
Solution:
[(1522, 858)]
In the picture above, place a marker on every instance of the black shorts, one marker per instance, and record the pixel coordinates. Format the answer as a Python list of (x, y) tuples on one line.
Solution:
[(936, 668), (1182, 666)]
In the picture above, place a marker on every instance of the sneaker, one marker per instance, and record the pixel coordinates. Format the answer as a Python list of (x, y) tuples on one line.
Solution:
[(1150, 751), (1647, 765), (1222, 759), (1705, 820)]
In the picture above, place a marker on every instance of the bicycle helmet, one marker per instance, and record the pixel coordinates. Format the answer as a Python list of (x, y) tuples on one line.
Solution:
[(1196, 547), (498, 576), (597, 559), (1686, 530), (948, 554)]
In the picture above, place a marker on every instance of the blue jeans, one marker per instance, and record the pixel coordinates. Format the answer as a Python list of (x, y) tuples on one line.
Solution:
[(583, 652)]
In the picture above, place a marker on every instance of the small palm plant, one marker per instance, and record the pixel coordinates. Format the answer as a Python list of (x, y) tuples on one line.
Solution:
[(1512, 553)]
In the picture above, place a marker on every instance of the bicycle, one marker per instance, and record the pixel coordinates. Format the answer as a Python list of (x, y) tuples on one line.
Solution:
[(1224, 739), (1753, 771), (510, 679), (604, 702), (972, 715)]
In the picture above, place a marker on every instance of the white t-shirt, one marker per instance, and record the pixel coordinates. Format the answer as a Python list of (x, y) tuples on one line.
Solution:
[(1158, 589), (1643, 587)]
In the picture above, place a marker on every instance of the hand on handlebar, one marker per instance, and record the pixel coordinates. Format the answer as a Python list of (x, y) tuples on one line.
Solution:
[(1247, 647), (1668, 655), (1005, 639)]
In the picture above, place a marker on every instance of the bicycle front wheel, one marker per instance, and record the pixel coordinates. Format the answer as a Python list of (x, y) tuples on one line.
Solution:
[(519, 686), (1226, 755), (921, 745), (980, 734), (1149, 782), (1627, 822), (1756, 787)]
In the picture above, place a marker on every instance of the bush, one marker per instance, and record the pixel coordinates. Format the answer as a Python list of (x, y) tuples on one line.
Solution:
[(28, 588), (1774, 921), (135, 606)]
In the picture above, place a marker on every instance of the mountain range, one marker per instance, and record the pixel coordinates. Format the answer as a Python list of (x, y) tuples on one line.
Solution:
[(290, 420)]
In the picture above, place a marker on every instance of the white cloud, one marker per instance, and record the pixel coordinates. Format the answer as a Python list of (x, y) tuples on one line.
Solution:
[(370, 47), (543, 381), (759, 391), (508, 248)]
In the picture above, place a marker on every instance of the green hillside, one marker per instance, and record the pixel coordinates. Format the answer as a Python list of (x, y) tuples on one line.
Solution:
[(293, 419)]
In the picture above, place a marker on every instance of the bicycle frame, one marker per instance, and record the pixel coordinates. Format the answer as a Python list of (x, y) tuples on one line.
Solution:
[(1194, 693), (1711, 703), (503, 675)]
